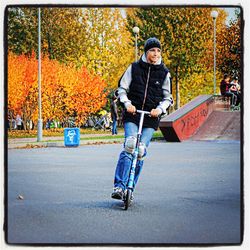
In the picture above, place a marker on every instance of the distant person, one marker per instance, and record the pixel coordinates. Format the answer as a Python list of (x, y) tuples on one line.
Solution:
[(235, 88), (114, 115), (47, 124), (19, 122), (225, 90)]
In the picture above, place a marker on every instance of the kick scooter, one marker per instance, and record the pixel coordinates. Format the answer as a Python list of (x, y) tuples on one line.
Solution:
[(130, 184)]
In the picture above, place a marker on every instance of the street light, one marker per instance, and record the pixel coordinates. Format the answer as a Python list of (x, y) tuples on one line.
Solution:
[(136, 32), (214, 15), (40, 121)]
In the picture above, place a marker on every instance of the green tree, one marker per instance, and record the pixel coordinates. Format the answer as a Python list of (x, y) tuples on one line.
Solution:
[(63, 32), (186, 36), (108, 49), (96, 38), (22, 30)]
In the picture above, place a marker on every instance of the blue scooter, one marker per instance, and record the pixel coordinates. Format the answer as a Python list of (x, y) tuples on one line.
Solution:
[(130, 185)]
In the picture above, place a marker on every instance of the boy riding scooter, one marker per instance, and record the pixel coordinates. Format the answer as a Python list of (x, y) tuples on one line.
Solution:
[(145, 85)]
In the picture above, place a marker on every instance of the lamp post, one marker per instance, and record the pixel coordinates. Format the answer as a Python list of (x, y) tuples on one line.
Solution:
[(214, 15), (40, 121), (136, 32)]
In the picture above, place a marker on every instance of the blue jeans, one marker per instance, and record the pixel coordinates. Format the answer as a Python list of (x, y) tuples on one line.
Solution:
[(125, 159), (114, 127)]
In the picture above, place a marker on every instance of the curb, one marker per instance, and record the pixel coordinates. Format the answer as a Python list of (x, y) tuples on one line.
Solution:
[(25, 145)]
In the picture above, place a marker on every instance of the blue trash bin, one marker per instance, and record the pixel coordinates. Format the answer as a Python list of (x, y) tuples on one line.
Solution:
[(71, 137)]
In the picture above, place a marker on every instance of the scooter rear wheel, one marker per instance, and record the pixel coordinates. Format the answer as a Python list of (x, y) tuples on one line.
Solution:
[(127, 200)]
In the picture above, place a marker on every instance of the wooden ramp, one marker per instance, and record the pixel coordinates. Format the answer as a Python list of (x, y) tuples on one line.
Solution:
[(220, 125), (205, 117)]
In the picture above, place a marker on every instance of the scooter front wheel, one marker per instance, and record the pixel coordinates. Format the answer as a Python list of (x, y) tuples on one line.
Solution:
[(127, 200)]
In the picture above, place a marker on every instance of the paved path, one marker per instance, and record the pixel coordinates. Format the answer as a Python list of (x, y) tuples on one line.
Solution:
[(58, 141), (188, 193)]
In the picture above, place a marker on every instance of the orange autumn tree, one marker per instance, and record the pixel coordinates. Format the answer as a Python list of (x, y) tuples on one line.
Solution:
[(53, 91), (66, 91), (21, 86), (87, 96), (83, 93)]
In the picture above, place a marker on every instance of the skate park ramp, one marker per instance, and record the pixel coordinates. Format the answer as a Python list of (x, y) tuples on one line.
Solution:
[(207, 117), (220, 125)]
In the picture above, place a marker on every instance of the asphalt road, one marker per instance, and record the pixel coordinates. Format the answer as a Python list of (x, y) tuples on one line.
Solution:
[(188, 193)]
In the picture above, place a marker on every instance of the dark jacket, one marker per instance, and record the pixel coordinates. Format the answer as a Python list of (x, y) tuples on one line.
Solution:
[(146, 91), (113, 109), (225, 87)]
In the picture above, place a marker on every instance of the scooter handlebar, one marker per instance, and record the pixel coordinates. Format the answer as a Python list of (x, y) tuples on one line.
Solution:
[(142, 111)]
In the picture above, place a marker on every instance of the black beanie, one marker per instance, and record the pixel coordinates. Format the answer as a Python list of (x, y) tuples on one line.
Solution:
[(152, 42)]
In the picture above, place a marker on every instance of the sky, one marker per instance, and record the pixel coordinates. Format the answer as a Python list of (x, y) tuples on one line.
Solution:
[(231, 14)]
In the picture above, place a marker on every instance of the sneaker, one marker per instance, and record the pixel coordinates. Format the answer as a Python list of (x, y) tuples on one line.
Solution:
[(132, 196), (232, 107), (118, 193)]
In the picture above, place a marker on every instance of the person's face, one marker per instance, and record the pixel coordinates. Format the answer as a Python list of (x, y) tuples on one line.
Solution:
[(227, 79), (153, 55)]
